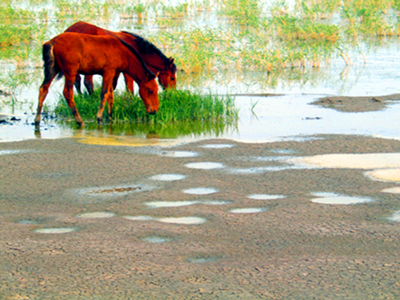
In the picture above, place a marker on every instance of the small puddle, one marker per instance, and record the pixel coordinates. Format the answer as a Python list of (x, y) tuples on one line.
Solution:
[(395, 217), (283, 151), (332, 198), (161, 204), (183, 220), (178, 154), (217, 146), (6, 152), (215, 202), (200, 191), (265, 197), (394, 190), (352, 161), (96, 215), (202, 260), (167, 177), (205, 165), (248, 210), (392, 175), (139, 218), (54, 230), (155, 239)]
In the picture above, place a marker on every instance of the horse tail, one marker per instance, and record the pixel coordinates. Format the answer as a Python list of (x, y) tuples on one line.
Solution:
[(140, 59), (50, 68)]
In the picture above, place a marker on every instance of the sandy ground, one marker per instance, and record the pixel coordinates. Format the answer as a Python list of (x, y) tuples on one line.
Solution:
[(292, 249)]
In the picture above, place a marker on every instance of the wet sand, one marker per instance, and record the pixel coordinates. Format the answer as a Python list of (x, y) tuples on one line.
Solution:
[(292, 249)]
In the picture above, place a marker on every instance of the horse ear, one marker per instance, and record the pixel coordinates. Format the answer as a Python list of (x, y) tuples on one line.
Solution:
[(150, 76), (171, 60)]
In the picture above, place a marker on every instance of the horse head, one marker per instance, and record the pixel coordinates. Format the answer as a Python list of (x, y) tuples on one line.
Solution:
[(167, 77), (148, 91)]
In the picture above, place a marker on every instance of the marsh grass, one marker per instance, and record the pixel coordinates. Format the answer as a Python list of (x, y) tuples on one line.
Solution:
[(213, 36), (176, 107)]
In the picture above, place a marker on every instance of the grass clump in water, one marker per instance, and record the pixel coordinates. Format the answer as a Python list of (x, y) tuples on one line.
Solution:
[(175, 106)]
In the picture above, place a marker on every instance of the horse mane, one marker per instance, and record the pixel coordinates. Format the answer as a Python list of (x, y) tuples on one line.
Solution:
[(147, 47), (139, 57)]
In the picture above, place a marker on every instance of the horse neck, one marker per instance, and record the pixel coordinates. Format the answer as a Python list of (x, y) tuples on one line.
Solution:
[(154, 61), (134, 68)]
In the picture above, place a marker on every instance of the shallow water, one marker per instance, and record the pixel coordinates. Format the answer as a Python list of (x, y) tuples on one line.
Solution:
[(332, 198)]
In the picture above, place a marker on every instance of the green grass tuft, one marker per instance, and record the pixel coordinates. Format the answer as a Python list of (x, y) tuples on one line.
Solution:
[(175, 106)]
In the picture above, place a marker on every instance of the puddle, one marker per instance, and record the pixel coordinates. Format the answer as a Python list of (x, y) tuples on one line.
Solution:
[(265, 197), (385, 175), (205, 165), (202, 260), (352, 161), (215, 202), (7, 152), (200, 191), (217, 146), (395, 190), (395, 217), (160, 204), (28, 222), (156, 239), (283, 151), (96, 215), (168, 177), (332, 198), (139, 218), (178, 154), (115, 191), (248, 210), (183, 220), (54, 230)]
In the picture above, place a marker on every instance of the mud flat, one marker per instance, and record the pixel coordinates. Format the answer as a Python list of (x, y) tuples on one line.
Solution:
[(288, 247)]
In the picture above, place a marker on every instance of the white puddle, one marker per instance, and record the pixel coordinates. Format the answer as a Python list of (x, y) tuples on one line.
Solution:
[(332, 198), (156, 239), (385, 175), (205, 165), (163, 204), (139, 218), (54, 230), (395, 217), (5, 152), (350, 161), (265, 197), (160, 204), (217, 146), (168, 177), (394, 190), (183, 220), (96, 215), (200, 191), (248, 210), (283, 151), (179, 154)]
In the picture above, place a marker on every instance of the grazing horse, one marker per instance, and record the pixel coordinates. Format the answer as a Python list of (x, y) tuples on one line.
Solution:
[(152, 56), (70, 54)]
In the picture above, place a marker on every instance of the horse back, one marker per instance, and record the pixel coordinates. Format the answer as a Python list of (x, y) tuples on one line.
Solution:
[(88, 54)]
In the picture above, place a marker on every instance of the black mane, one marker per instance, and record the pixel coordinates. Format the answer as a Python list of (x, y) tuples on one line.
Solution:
[(147, 47), (139, 57)]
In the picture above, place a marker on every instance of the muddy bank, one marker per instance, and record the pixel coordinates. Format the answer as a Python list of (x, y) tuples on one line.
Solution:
[(292, 248), (357, 103)]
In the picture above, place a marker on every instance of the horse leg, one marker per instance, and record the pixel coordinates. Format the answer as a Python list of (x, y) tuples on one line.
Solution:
[(115, 80), (107, 95), (89, 83), (44, 89), (78, 83), (69, 96), (129, 83)]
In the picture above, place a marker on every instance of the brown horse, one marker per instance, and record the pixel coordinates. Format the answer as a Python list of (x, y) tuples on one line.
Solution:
[(152, 56), (71, 53)]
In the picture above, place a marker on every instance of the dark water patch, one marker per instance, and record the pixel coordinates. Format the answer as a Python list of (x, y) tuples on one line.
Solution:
[(154, 239), (115, 191), (203, 258)]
